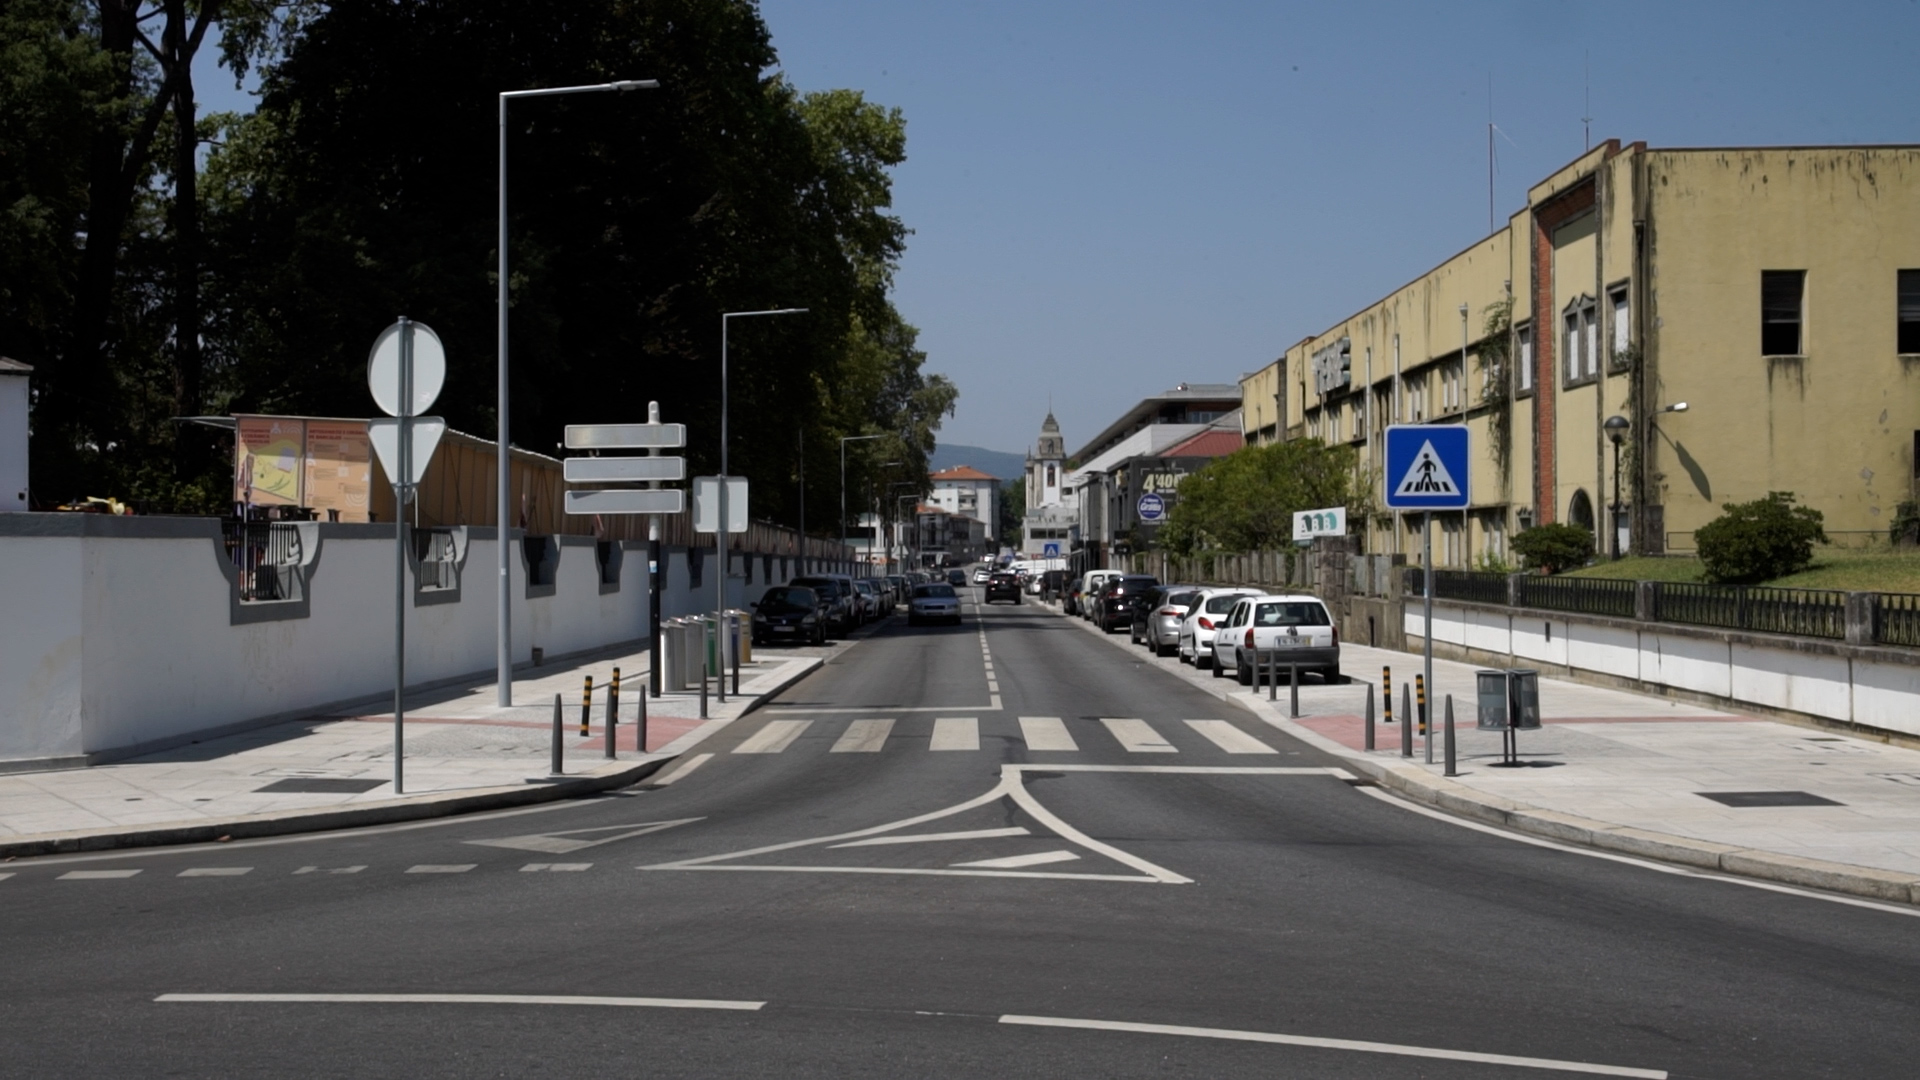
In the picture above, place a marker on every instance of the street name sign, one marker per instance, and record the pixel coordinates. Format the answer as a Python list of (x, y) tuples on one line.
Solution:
[(1308, 524), (1428, 466), (626, 436), (623, 470), (627, 501), (706, 504), (652, 469)]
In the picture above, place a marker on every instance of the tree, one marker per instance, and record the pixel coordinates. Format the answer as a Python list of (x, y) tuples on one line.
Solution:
[(1246, 500), (1759, 540), (1553, 548), (1013, 513)]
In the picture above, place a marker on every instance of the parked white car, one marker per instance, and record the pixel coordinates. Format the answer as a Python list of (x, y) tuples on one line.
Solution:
[(1297, 628), (1209, 612)]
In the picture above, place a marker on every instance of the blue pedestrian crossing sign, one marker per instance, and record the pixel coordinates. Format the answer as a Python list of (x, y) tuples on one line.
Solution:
[(1427, 467)]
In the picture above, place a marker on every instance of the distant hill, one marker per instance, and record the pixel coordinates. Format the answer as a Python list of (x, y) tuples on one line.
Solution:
[(1008, 467)]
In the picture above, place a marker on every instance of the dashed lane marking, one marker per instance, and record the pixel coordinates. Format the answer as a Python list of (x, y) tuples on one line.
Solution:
[(680, 771), (1138, 737), (215, 871), (462, 999), (775, 737), (95, 875), (863, 737), (1048, 733), (555, 867), (1230, 738), (330, 870), (441, 868), (955, 733)]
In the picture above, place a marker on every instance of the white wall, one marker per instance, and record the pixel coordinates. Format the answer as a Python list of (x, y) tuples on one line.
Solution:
[(13, 442), (1864, 687)]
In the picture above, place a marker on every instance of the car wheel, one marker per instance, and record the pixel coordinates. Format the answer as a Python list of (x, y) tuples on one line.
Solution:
[(1241, 672), (1331, 676), (1214, 667)]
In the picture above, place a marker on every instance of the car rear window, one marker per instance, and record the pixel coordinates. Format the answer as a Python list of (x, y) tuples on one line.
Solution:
[(1290, 613), (1220, 605), (1181, 600)]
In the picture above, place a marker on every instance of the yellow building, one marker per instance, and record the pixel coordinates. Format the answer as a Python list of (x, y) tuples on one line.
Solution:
[(1751, 315)]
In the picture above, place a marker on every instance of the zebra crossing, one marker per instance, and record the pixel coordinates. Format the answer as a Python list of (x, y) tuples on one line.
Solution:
[(1042, 734)]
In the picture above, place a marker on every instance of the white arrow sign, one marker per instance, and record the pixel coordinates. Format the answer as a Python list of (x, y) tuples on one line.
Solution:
[(424, 432), (627, 501), (625, 436), (617, 470)]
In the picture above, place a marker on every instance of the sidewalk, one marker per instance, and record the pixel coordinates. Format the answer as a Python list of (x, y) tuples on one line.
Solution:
[(1631, 773), (463, 753)]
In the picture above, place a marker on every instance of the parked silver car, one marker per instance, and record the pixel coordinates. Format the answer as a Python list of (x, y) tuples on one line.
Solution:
[(1294, 629), (1158, 627)]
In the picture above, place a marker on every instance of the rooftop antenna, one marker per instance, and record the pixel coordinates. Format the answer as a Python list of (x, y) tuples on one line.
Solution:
[(1489, 152), (1586, 113)]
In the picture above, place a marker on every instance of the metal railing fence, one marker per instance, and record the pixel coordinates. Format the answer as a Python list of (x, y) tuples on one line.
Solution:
[(1473, 586), (1584, 596), (1805, 612), (1896, 619)]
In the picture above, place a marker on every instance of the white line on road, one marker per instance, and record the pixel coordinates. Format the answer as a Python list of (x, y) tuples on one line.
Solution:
[(680, 771), (1014, 862), (927, 838), (1229, 738), (1138, 737), (335, 870), (1337, 1044), (465, 999), (441, 868), (1191, 770), (215, 871), (1046, 733), (955, 733), (923, 872), (95, 875), (555, 867), (863, 737), (775, 737)]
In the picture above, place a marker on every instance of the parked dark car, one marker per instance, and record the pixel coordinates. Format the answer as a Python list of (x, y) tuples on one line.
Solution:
[(1053, 582), (1070, 600), (1003, 586), (1119, 598), (837, 593), (957, 578), (790, 613)]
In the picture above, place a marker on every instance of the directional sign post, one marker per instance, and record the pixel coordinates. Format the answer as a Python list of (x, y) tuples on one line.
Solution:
[(405, 370), (652, 500), (1428, 468)]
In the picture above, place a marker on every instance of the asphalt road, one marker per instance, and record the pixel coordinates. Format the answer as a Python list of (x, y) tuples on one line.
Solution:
[(795, 904)]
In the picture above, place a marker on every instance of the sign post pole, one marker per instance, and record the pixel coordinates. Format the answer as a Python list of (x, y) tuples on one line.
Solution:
[(1428, 469), (1426, 624), (400, 487)]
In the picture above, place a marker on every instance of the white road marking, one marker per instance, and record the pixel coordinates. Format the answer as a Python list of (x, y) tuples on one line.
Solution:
[(5, 874), (1046, 733), (215, 871), (1014, 862), (95, 875), (555, 867), (1338, 1044), (863, 737), (993, 686), (466, 999), (1192, 770), (558, 843), (335, 870), (1229, 738), (955, 733), (910, 870), (775, 737), (1138, 737), (441, 868), (681, 769), (926, 838)]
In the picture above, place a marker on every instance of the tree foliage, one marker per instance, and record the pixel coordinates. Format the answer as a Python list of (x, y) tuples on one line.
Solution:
[(1246, 500), (1553, 548), (1759, 540)]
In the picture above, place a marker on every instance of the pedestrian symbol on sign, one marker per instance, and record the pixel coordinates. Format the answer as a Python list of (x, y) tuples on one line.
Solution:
[(1428, 476)]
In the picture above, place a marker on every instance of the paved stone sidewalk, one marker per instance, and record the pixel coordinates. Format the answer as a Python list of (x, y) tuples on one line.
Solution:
[(1636, 761), (457, 740)]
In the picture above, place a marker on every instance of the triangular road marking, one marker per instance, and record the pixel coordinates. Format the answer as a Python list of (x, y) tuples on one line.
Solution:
[(1427, 475), (556, 843)]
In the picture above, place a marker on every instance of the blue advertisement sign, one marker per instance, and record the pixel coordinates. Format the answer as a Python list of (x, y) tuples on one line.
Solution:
[(1152, 507)]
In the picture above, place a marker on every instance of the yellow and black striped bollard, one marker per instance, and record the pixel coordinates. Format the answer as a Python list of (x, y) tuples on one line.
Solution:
[(1386, 693), (1420, 699), (586, 707)]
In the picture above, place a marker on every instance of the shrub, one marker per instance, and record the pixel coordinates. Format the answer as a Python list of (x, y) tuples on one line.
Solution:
[(1759, 540), (1553, 548)]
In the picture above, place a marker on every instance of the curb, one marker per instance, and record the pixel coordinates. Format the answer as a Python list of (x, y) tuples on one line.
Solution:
[(1462, 801), (386, 811)]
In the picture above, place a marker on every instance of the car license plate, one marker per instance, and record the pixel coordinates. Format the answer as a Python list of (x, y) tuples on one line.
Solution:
[(783, 629), (1295, 642)]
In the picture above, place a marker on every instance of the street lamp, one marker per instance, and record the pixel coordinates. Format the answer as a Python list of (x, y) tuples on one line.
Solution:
[(1616, 429), (720, 537), (844, 440), (503, 635)]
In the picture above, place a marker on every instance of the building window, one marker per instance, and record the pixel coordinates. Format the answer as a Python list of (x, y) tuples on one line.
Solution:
[(1910, 311), (1452, 552), (1333, 424), (1524, 338), (1417, 398), (1053, 478), (1782, 296), (1495, 528), (1581, 339), (1617, 301)]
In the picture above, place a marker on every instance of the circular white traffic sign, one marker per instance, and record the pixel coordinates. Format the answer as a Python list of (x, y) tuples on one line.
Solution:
[(429, 370)]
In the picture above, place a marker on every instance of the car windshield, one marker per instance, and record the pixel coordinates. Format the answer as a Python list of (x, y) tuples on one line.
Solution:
[(933, 590), (786, 600), (864, 586), (1290, 613), (1220, 605), (825, 587)]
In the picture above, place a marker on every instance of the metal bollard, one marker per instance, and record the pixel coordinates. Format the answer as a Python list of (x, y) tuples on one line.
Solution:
[(1386, 692), (1370, 715), (586, 708), (1293, 691), (640, 719), (1273, 675), (1406, 719), (556, 767), (739, 632), (703, 672), (1449, 738), (613, 711), (1420, 699)]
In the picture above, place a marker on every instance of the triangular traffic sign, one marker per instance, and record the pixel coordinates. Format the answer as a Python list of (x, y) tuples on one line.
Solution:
[(1427, 477)]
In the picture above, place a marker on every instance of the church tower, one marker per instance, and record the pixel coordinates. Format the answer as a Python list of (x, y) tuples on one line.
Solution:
[(1046, 466)]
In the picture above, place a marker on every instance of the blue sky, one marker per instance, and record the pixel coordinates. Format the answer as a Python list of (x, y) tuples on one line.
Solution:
[(1110, 198)]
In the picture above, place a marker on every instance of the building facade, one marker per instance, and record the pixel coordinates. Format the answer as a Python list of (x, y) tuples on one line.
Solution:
[(1655, 333), (965, 491), (1101, 486)]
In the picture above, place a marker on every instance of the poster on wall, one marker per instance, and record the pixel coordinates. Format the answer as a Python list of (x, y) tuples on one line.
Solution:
[(270, 455), (339, 469)]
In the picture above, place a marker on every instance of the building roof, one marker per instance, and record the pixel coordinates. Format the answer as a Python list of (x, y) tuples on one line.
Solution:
[(963, 472), (1214, 442), (1162, 408), (10, 366)]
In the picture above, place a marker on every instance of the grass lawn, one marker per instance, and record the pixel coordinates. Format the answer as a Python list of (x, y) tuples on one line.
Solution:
[(1885, 571)]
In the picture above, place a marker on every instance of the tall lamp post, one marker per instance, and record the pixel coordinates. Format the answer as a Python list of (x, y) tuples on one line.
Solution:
[(720, 537), (844, 440), (1616, 429), (503, 635)]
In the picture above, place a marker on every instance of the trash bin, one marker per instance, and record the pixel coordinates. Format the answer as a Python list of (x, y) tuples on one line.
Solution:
[(1491, 687), (673, 656), (1524, 705), (742, 636)]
